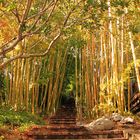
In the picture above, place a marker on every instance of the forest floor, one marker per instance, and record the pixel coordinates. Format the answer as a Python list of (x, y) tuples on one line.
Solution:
[(14, 123), (15, 133)]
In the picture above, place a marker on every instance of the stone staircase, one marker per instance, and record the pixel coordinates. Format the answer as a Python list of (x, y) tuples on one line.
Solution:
[(63, 126)]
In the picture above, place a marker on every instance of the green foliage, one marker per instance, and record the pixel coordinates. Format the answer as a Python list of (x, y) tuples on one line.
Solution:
[(69, 80), (96, 12), (120, 12), (11, 6), (70, 85), (20, 119), (2, 86), (90, 1), (122, 3), (1, 1), (45, 74), (106, 108), (135, 28), (76, 42), (46, 30), (2, 82), (44, 77)]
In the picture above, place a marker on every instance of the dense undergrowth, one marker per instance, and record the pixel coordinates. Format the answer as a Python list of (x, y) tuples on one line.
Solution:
[(22, 120)]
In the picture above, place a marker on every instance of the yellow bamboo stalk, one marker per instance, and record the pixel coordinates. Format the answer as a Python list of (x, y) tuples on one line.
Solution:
[(27, 67), (122, 65)]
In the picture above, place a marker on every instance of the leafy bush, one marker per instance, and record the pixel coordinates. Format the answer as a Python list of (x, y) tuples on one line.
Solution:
[(19, 119)]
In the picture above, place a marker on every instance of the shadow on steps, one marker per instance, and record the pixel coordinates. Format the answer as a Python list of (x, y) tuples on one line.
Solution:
[(63, 126)]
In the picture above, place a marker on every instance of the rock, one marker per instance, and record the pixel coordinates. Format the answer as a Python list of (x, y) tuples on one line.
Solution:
[(101, 124), (127, 120), (116, 117), (79, 123)]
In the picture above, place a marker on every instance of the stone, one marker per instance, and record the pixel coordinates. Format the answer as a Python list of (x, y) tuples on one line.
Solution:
[(116, 117), (127, 120), (101, 124)]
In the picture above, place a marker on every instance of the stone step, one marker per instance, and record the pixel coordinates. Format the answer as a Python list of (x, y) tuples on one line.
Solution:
[(83, 134), (84, 139), (62, 122), (65, 115), (63, 126), (103, 137), (66, 111), (63, 119), (73, 128)]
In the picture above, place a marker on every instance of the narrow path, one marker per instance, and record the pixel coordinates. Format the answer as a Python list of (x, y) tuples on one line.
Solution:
[(63, 126)]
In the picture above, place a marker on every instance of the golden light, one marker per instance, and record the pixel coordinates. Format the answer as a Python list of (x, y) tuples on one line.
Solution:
[(17, 48)]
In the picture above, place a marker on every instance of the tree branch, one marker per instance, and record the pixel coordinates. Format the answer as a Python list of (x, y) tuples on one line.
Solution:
[(16, 14), (42, 11), (27, 9), (20, 37), (51, 43), (45, 22)]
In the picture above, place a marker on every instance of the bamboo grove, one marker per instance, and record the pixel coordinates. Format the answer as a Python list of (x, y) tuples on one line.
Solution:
[(94, 50)]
